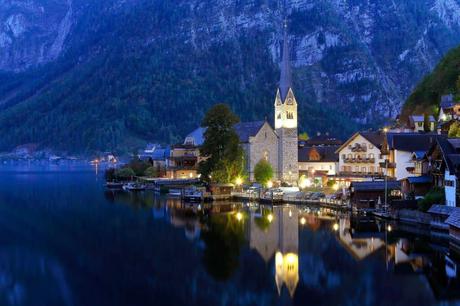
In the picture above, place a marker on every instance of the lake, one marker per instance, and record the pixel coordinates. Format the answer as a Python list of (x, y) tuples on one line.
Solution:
[(65, 240)]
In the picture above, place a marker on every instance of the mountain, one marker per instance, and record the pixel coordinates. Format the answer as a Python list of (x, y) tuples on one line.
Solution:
[(445, 79), (80, 76)]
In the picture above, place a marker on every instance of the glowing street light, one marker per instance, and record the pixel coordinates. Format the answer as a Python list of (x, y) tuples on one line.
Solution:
[(239, 181), (389, 228), (269, 184)]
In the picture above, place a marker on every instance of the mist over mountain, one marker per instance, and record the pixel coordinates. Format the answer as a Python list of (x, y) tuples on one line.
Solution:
[(79, 75)]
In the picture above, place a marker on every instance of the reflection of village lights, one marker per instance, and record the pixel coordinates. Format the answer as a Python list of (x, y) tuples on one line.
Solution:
[(303, 221), (270, 218), (278, 258), (270, 184), (290, 213), (389, 228), (239, 181), (239, 216), (335, 227)]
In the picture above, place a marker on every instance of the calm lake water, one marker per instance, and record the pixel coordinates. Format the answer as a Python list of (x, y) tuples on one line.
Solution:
[(65, 240)]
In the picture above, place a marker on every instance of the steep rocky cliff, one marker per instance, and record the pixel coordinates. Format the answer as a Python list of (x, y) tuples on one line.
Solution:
[(113, 73)]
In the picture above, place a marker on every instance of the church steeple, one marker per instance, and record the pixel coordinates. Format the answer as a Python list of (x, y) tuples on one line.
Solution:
[(285, 78)]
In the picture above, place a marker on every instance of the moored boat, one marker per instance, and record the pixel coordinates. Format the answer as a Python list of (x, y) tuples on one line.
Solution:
[(134, 187), (114, 185)]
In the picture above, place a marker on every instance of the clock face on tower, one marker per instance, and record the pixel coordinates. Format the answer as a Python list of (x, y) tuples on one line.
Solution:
[(289, 101)]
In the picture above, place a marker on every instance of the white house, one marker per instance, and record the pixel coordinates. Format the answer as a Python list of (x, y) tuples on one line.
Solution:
[(360, 156), (318, 160)]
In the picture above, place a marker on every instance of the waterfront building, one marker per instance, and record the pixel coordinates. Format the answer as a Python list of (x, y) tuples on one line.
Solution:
[(183, 162), (318, 161), (454, 228), (444, 161), (360, 157)]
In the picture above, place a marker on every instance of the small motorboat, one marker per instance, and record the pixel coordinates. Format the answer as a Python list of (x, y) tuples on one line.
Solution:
[(133, 187)]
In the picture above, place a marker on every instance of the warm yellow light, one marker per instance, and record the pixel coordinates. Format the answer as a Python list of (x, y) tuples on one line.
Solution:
[(336, 186), (290, 213), (335, 227), (270, 184), (385, 129), (270, 218), (278, 258), (443, 117), (291, 258), (389, 228), (191, 175), (239, 181), (239, 216), (303, 221)]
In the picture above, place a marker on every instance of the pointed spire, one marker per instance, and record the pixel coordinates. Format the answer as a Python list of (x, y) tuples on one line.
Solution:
[(285, 78)]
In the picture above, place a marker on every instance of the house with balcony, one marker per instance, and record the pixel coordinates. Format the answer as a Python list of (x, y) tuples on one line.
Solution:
[(361, 156), (183, 162)]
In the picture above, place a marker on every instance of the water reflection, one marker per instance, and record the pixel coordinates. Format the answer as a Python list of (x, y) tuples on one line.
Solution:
[(274, 233), (64, 244)]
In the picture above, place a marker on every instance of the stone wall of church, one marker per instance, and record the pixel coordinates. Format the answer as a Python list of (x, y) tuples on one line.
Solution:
[(263, 145), (288, 155)]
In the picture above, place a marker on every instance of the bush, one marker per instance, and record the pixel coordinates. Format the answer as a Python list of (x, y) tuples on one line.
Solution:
[(434, 196), (110, 174)]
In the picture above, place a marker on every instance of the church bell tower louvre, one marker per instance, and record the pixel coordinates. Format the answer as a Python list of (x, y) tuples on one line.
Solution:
[(286, 119)]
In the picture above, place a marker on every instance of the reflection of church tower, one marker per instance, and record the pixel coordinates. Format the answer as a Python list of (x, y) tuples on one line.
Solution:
[(281, 237), (286, 120), (287, 259)]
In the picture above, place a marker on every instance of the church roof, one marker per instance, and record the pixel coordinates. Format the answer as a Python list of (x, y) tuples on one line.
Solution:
[(244, 130), (285, 78)]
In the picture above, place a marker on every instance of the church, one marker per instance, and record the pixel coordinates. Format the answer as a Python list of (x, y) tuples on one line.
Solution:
[(260, 140)]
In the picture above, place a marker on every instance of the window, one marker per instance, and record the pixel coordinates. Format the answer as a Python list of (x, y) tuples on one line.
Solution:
[(344, 156), (420, 124), (372, 169), (363, 169), (371, 146), (289, 115), (266, 155), (349, 155), (363, 145), (371, 155)]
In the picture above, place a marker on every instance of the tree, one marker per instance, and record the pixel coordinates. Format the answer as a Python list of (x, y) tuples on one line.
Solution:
[(426, 123), (454, 130), (304, 136), (263, 172), (151, 172), (138, 166), (125, 173), (224, 159)]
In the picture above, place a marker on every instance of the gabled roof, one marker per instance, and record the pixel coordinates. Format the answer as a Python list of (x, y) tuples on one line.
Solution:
[(451, 158), (411, 142), (197, 135), (375, 138), (424, 179), (244, 130), (454, 218), (327, 154), (420, 118), (441, 209)]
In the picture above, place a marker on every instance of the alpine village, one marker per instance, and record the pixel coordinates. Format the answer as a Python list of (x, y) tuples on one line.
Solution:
[(408, 170)]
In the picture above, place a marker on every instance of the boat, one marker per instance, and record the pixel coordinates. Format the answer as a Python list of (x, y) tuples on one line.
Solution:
[(193, 195), (114, 185), (175, 192), (133, 187)]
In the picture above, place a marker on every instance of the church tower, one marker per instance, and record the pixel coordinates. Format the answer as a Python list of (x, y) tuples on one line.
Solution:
[(286, 120)]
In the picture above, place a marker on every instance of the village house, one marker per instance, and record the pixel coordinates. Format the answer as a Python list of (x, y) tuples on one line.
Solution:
[(449, 109), (416, 123), (444, 161), (360, 157), (183, 162), (318, 161), (402, 147), (368, 195)]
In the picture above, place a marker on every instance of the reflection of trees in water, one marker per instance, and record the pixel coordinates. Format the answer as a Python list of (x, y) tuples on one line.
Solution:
[(144, 199), (223, 237)]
